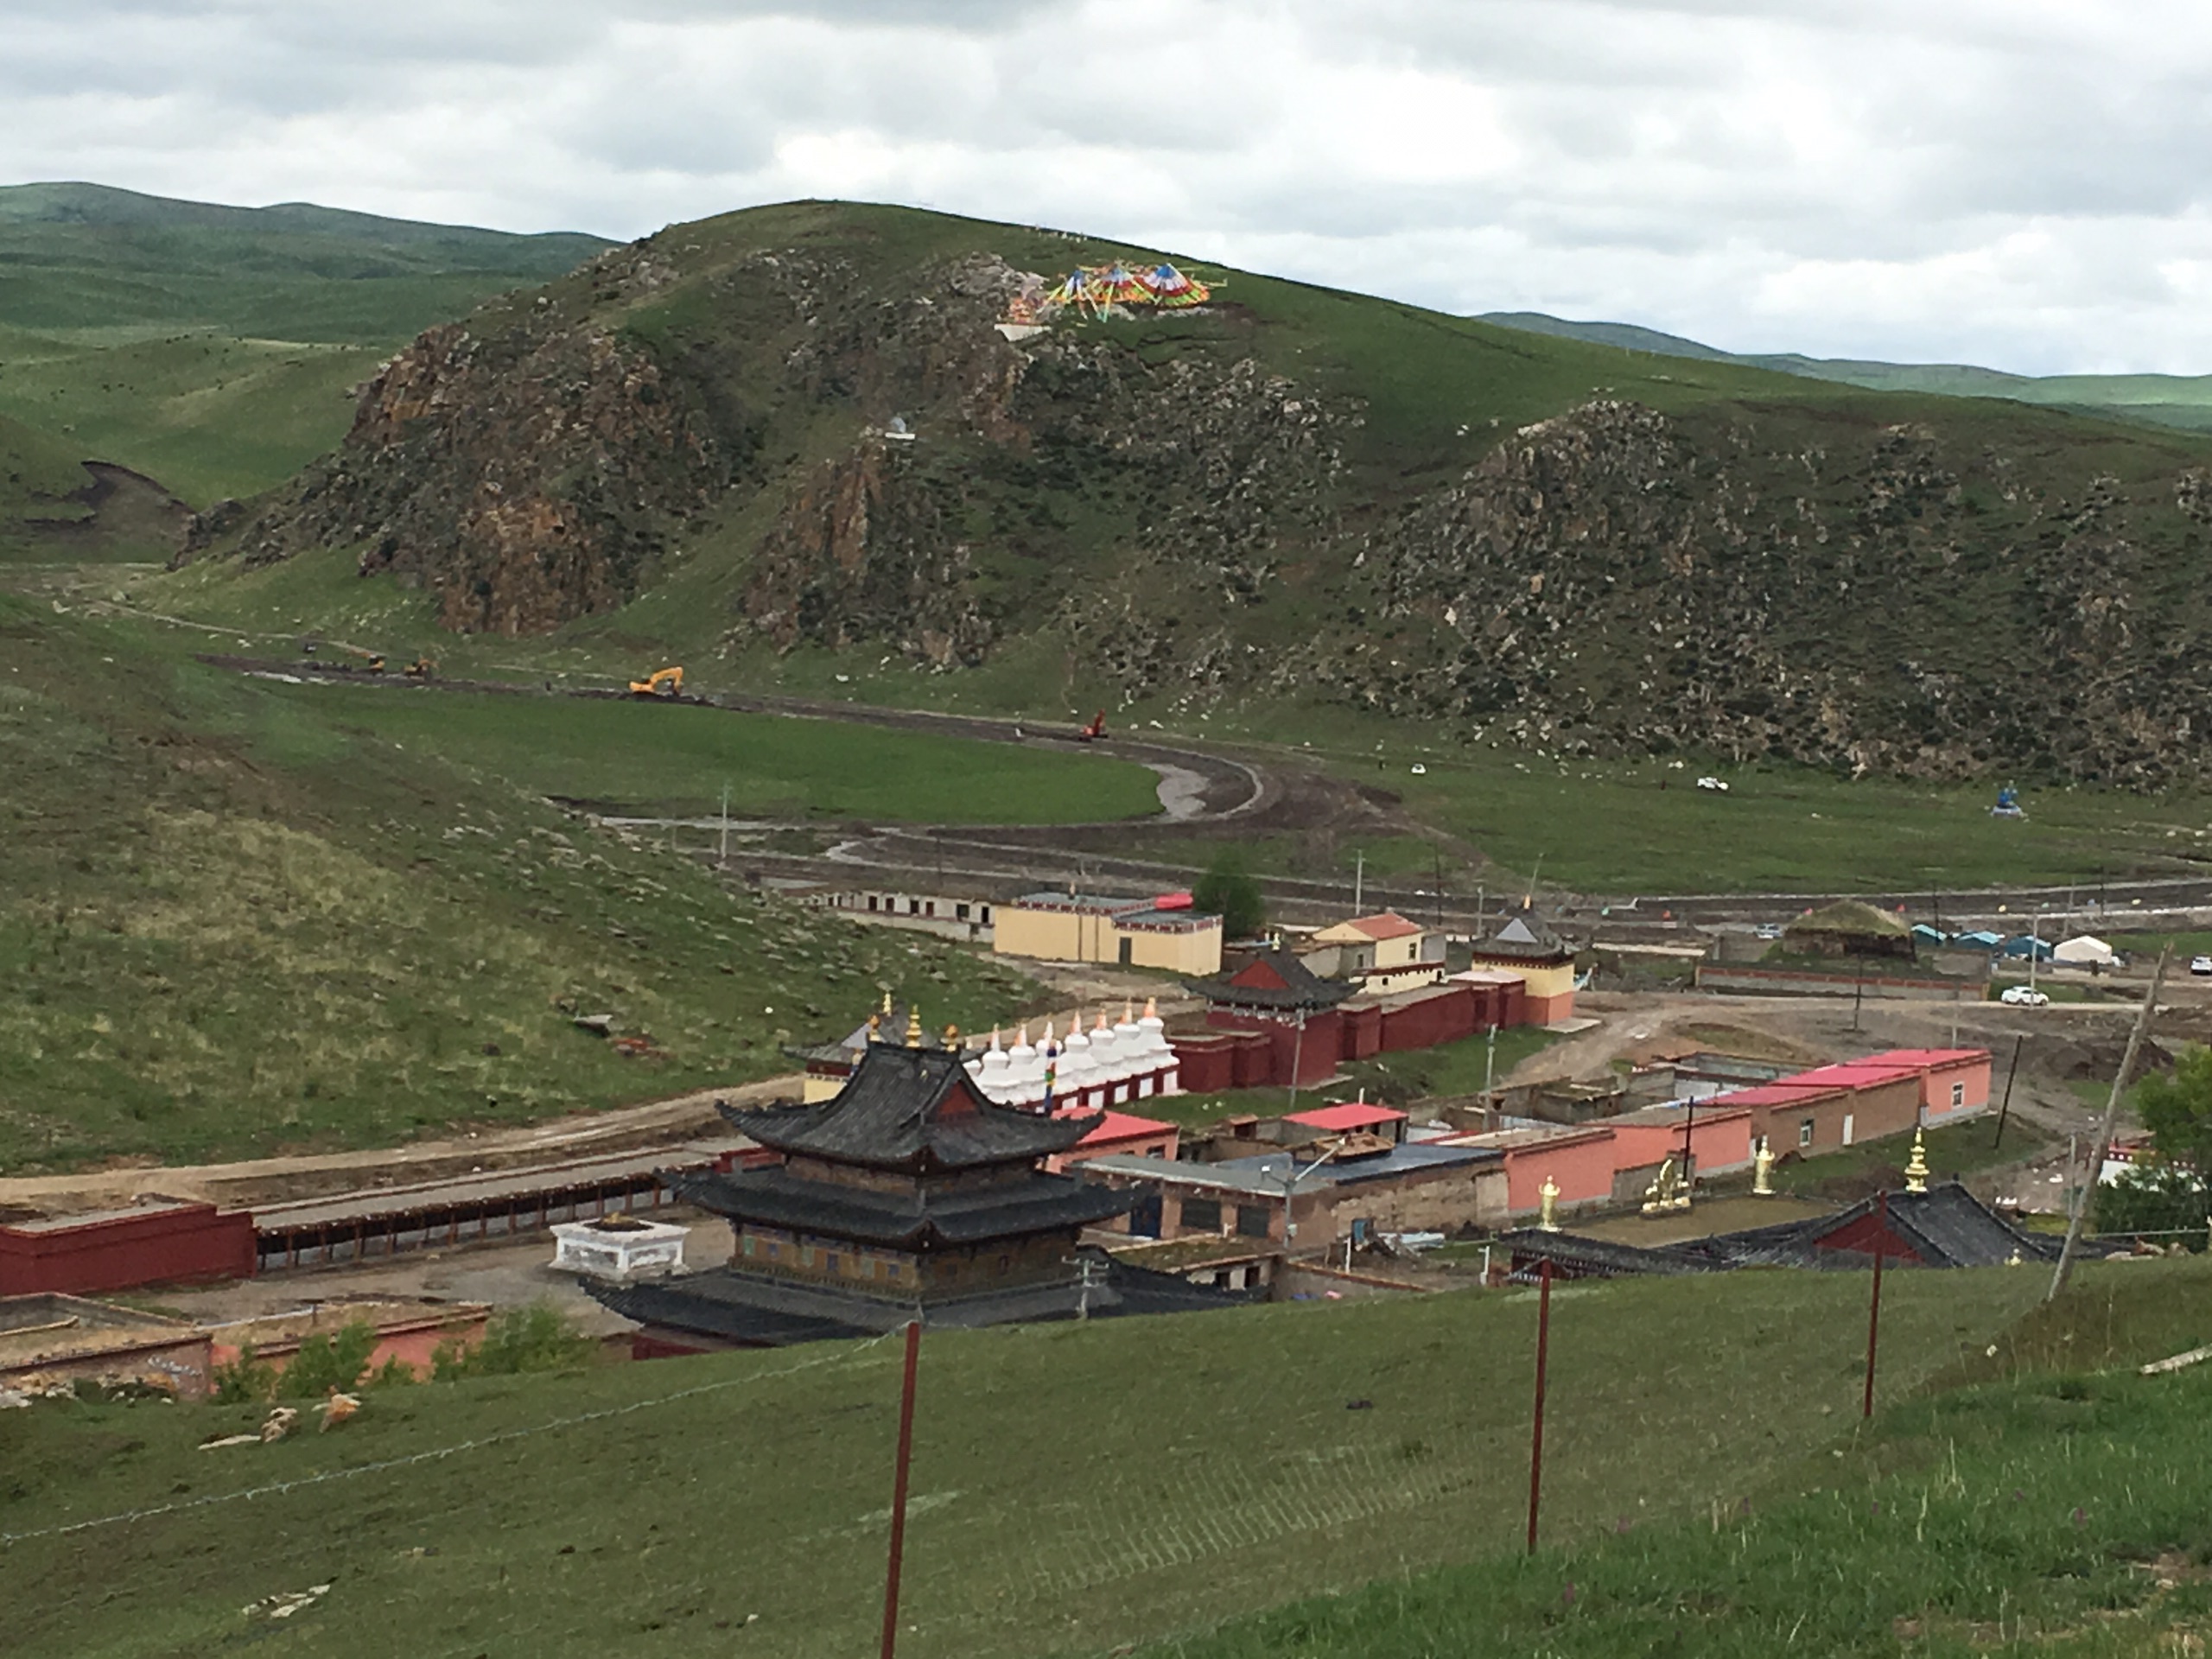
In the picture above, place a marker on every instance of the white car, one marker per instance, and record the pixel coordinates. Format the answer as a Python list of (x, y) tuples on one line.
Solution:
[(2021, 997), (2201, 966)]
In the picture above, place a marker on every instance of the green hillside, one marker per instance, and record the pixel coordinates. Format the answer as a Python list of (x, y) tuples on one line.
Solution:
[(1285, 500), (1075, 1487), (244, 917), (38, 474), (2163, 399), (214, 348)]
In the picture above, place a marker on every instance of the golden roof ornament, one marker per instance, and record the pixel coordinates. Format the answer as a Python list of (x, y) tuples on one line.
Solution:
[(914, 1027), (1763, 1169), (952, 1037), (1548, 1205), (1916, 1172)]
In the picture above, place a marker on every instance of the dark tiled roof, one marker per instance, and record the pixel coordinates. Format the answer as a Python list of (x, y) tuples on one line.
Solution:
[(1578, 1258), (1300, 987), (751, 1310), (1524, 937), (916, 1218), (1946, 1227), (914, 1110)]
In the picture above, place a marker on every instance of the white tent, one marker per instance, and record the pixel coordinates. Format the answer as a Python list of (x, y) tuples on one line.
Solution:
[(2083, 950)]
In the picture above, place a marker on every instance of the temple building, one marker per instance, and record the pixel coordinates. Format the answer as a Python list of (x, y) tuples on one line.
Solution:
[(1092, 1071), (910, 1193), (1526, 946)]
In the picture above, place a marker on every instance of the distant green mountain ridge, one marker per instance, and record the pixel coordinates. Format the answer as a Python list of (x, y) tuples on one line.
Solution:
[(214, 347), (2164, 399)]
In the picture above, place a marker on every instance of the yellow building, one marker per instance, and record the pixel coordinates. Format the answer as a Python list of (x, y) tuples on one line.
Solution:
[(1132, 932), (1385, 952), (1545, 962)]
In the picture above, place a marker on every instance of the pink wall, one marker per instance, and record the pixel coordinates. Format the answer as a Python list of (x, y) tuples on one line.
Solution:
[(1579, 1163), (1719, 1140)]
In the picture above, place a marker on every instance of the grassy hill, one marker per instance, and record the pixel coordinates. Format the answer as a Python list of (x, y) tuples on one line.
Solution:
[(1288, 499), (1076, 1487), (2181, 400), (214, 347), (2053, 1512), (244, 917)]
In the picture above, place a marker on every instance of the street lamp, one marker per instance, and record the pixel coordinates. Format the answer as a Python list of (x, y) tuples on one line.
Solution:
[(1290, 1186)]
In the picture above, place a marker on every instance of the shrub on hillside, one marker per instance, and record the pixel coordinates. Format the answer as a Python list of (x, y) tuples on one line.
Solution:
[(539, 1338), (2158, 1198)]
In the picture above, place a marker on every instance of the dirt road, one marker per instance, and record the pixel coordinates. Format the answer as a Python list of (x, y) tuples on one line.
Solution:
[(270, 1180)]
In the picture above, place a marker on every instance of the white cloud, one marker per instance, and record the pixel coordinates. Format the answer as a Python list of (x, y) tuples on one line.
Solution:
[(2012, 183)]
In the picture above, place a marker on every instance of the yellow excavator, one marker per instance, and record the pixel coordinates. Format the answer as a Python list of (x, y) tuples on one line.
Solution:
[(665, 682), (421, 669)]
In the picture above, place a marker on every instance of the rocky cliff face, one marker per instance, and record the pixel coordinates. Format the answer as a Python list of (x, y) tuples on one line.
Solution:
[(1206, 506)]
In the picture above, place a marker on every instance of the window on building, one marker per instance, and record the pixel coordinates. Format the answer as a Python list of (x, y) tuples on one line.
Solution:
[(1252, 1219), (806, 1256), (987, 915), (960, 912), (1155, 1151), (1006, 1264), (1958, 1094), (929, 906), (831, 1262), (1202, 1214), (1805, 1132), (891, 1270), (745, 1244), (871, 901)]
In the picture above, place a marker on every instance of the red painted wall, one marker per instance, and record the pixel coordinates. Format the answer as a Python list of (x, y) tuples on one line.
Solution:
[(1582, 1166), (117, 1252), (1721, 1141)]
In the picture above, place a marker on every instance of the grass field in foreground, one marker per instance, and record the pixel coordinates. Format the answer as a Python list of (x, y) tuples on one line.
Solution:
[(2050, 1514), (1075, 1487), (664, 759)]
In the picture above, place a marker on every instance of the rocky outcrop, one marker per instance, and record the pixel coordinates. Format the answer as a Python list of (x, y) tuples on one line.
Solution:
[(527, 477), (1181, 509)]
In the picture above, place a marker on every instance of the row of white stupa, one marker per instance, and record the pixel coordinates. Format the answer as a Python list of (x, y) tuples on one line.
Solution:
[(1110, 1065)]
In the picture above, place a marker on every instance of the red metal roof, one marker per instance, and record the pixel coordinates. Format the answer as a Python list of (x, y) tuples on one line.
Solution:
[(1389, 925), (1855, 1074), (1123, 1126), (1355, 1116), (1790, 1091), (1926, 1056)]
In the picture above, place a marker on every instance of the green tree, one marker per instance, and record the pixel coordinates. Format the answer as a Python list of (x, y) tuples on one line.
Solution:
[(538, 1338), (1228, 888), (326, 1362), (245, 1379), (2156, 1199), (2177, 1109)]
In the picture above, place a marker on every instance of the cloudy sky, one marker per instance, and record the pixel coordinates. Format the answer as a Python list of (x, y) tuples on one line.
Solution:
[(2014, 182)]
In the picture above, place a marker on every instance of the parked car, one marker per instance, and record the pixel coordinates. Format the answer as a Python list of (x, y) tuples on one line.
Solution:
[(2021, 997), (1767, 930), (2201, 966)]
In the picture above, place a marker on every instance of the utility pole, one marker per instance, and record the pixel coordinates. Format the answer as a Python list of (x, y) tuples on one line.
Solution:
[(1358, 881), (1489, 1063), (2065, 1268)]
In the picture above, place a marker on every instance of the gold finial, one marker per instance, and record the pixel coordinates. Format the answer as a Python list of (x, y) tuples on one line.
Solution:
[(952, 1036), (1916, 1172), (1152, 1008), (914, 1026), (876, 1028), (1763, 1169), (1548, 1205), (1102, 1024), (886, 1003)]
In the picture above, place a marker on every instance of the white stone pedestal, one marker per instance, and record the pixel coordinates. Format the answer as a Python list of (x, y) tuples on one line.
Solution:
[(618, 1247)]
